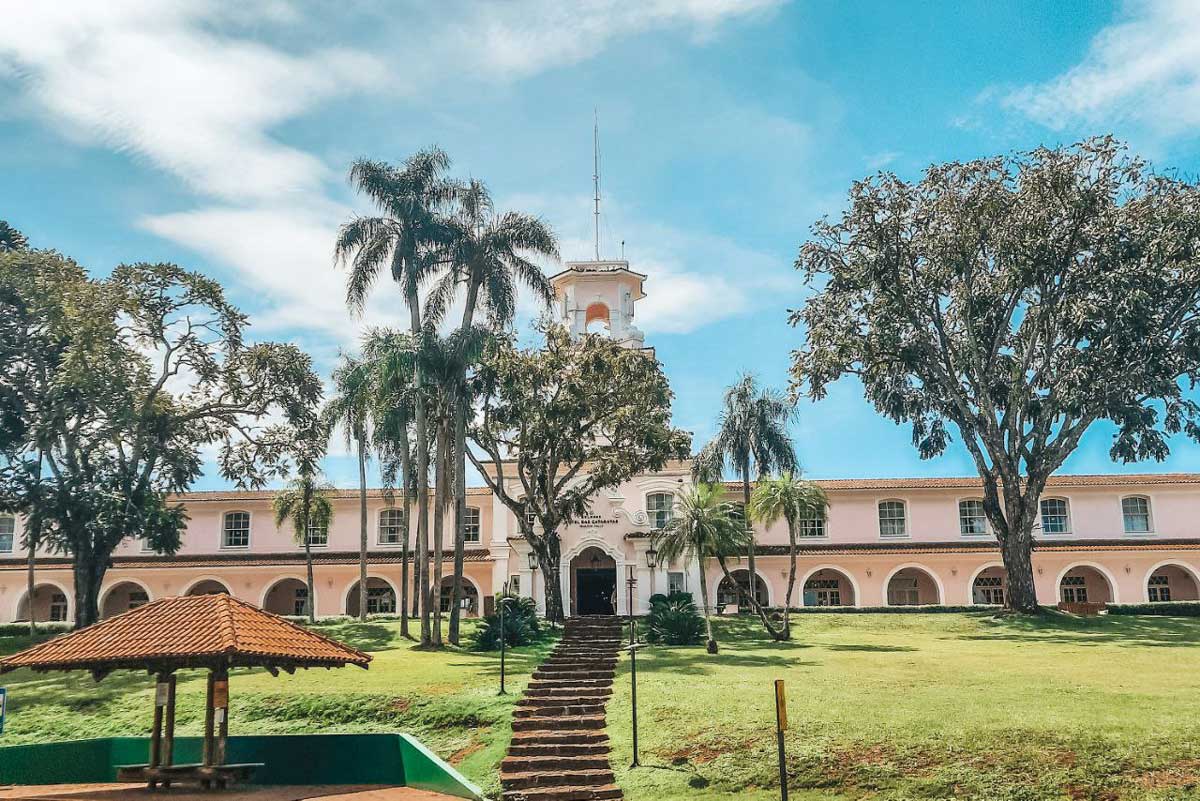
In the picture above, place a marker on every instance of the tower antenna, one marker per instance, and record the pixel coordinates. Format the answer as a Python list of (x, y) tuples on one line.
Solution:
[(596, 175)]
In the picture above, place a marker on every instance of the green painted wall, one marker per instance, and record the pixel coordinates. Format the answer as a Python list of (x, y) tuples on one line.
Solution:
[(396, 759)]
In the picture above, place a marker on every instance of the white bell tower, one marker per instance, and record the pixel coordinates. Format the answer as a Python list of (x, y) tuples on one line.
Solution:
[(598, 297)]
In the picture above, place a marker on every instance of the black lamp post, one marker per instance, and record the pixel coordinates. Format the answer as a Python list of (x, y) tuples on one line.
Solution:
[(652, 563), (633, 649), (631, 582)]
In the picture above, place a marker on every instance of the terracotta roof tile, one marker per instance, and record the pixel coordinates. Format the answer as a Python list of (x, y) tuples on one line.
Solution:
[(972, 482), (189, 631)]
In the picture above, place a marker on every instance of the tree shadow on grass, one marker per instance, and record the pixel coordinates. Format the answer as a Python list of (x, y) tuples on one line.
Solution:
[(364, 636), (694, 660), (873, 649), (1063, 629)]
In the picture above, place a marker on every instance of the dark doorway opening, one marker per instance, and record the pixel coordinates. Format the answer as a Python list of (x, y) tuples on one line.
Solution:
[(596, 590)]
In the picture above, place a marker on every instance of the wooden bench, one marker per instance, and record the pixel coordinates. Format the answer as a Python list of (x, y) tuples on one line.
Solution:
[(205, 775)]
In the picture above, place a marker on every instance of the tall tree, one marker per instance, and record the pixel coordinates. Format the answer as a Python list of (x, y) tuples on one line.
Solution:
[(407, 240), (702, 525), (351, 409), (306, 503), (391, 356), (1018, 299), (489, 256), (793, 499), (559, 424), (11, 239), (752, 433), (154, 368)]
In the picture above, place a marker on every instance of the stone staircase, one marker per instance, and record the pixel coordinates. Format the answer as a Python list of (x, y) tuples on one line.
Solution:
[(559, 750)]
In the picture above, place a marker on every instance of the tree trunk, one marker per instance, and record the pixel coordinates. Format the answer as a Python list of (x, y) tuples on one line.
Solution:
[(460, 472), (1016, 552), (406, 478), (88, 571), (710, 644), (759, 609), (460, 514), (439, 514), (422, 425), (33, 532), (306, 512), (31, 586), (362, 521), (551, 575), (791, 585), (750, 557)]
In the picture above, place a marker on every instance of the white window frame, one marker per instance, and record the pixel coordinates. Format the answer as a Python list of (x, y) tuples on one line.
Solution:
[(904, 533), (805, 527), (476, 525), (1066, 515), (59, 607), (225, 529), (826, 591), (1076, 589), (652, 513), (9, 522), (134, 603), (1149, 515), (374, 594), (399, 526), (993, 591), (1158, 591), (300, 601), (987, 527), (671, 574), (308, 534)]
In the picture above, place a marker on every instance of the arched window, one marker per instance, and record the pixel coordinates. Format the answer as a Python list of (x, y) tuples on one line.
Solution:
[(891, 519), (1055, 516), (471, 524), (972, 522), (8, 532), (1135, 510), (236, 530), (658, 508), (391, 526)]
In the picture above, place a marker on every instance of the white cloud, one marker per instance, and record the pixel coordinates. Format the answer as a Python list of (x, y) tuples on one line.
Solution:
[(1144, 69)]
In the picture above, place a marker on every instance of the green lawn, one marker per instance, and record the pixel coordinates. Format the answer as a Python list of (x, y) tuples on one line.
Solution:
[(448, 699), (881, 707), (922, 707)]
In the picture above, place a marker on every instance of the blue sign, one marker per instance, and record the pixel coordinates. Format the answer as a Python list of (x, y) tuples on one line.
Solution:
[(3, 706)]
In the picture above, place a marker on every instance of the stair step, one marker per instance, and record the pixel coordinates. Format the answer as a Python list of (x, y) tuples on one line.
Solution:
[(573, 673), (564, 793), (557, 683), (556, 778), (567, 692), (564, 710), (562, 722), (524, 763), (575, 697), (561, 737), (598, 749)]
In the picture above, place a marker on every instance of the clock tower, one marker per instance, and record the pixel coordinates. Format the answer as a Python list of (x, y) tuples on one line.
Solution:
[(598, 297)]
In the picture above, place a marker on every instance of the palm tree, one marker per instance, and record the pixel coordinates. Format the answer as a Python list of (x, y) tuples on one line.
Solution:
[(391, 357), (702, 525), (792, 498), (306, 503), (408, 241), (351, 409), (752, 432), (489, 256)]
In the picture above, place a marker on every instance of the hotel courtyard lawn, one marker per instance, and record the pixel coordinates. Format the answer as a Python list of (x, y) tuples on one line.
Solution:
[(898, 706)]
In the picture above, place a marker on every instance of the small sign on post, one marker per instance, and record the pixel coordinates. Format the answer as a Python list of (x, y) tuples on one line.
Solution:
[(781, 723), (162, 692), (3, 706)]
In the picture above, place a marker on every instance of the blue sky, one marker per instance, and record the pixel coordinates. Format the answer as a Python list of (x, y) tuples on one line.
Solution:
[(217, 136)]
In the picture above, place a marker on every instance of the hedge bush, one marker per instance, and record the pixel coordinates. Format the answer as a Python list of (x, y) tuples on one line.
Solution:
[(22, 629), (673, 620), (521, 626), (1165, 608)]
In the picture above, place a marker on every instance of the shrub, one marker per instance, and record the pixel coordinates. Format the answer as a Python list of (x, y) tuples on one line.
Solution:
[(1168, 608), (521, 625), (22, 629), (674, 621)]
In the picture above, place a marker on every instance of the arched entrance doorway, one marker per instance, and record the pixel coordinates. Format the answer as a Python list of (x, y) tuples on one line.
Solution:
[(593, 583), (1171, 583), (730, 596), (288, 596), (1084, 584), (381, 598), (912, 586), (122, 597), (828, 587), (467, 595), (50, 603), (208, 587), (990, 586)]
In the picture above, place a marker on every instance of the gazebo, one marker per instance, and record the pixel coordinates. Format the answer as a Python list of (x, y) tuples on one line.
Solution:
[(216, 632)]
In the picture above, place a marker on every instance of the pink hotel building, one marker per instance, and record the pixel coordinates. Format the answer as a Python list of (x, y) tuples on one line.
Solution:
[(882, 542)]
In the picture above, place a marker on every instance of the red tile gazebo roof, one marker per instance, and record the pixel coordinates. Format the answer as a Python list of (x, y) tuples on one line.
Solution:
[(192, 631)]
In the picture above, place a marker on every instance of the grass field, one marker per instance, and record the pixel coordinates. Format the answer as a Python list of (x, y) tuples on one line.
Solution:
[(922, 707), (881, 707)]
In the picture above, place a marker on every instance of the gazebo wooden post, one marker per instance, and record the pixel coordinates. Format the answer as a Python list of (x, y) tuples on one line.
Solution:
[(221, 703), (168, 751), (160, 702), (208, 719)]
